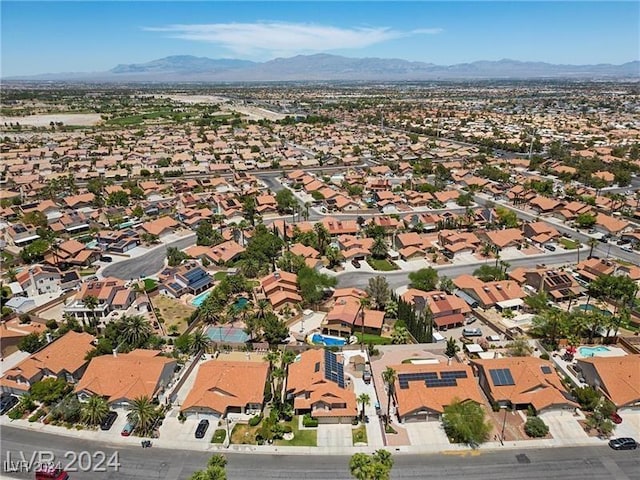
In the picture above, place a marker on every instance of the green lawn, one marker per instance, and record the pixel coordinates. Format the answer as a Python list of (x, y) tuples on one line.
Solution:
[(124, 121), (301, 438), (374, 339), (359, 434), (383, 265), (219, 275), (569, 244), (219, 436), (149, 284)]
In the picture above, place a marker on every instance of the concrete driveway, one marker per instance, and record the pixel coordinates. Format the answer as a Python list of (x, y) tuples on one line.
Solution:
[(185, 432), (564, 426), (427, 433), (335, 435), (630, 426)]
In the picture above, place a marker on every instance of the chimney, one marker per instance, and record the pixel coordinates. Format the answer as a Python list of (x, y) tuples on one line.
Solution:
[(115, 353)]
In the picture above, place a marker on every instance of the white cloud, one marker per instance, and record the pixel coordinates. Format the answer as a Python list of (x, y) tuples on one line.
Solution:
[(286, 38)]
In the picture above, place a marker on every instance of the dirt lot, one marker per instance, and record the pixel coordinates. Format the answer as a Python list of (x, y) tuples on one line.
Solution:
[(173, 311), (44, 120)]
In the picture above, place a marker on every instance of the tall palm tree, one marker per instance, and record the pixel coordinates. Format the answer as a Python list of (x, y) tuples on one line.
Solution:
[(272, 357), (91, 302), (363, 399), (399, 335), (143, 412), (94, 410), (389, 377), (263, 306), (592, 242), (391, 309), (364, 304), (276, 375), (199, 342), (135, 330)]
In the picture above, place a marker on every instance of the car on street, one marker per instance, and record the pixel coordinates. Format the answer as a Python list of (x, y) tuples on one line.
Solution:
[(7, 402), (107, 423), (623, 443), (615, 418), (202, 428)]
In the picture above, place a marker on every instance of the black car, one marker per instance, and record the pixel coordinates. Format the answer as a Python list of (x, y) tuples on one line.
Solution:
[(355, 263), (202, 428), (107, 423), (7, 402), (551, 248), (106, 259), (623, 443)]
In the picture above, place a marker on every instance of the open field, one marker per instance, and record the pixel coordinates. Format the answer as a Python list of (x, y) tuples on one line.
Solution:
[(82, 119)]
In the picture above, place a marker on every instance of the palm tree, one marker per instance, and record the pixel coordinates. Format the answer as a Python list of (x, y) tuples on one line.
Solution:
[(378, 291), (360, 466), (379, 248), (263, 306), (389, 377), (11, 273), (143, 413), (276, 375), (91, 302), (364, 304), (447, 285), (592, 242), (94, 410), (364, 399), (399, 335), (199, 342), (323, 236), (272, 357), (391, 309), (135, 330)]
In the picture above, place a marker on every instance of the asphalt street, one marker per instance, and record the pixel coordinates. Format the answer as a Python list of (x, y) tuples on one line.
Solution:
[(148, 264), (575, 463)]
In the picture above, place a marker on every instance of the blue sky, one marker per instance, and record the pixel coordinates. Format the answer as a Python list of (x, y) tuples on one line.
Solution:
[(39, 37)]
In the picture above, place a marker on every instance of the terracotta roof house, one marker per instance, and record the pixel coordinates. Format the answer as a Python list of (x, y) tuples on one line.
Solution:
[(62, 358), (280, 288), (610, 225), (509, 237), (80, 201), (123, 377), (448, 311), (455, 243), (12, 331), (422, 391), (504, 294), (111, 295), (540, 232), (560, 286), (617, 377), (340, 227), (218, 254), (347, 316), (71, 252), (223, 387), (593, 268), (161, 226), (316, 384), (521, 382), (20, 235), (544, 204)]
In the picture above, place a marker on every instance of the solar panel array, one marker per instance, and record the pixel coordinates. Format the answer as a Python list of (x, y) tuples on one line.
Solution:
[(501, 377), (333, 369), (431, 379), (545, 369)]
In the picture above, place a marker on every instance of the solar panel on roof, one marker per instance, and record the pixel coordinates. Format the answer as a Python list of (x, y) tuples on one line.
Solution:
[(501, 377), (454, 374), (545, 369)]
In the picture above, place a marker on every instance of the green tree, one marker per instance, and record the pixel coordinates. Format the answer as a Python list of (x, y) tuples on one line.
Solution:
[(391, 309), (49, 390), (206, 235), (399, 334), (371, 467), (199, 342), (274, 330), (119, 199), (465, 422), (379, 292), (135, 330), (31, 343), (389, 377), (447, 285), (585, 220), (292, 263), (379, 248), (519, 347), (535, 427), (424, 279), (35, 218), (334, 256), (143, 412), (312, 284), (286, 200), (489, 273), (452, 348), (94, 410), (34, 252), (215, 470), (506, 217), (175, 256)]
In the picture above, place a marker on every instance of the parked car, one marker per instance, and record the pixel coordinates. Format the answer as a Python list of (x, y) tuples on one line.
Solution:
[(471, 332), (623, 443), (107, 423), (470, 320), (128, 429), (378, 409), (615, 418), (366, 376), (7, 402), (551, 248), (355, 263), (202, 428), (106, 259), (51, 472)]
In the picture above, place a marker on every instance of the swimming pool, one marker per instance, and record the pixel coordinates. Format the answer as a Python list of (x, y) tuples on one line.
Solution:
[(588, 352), (227, 334), (197, 300), (241, 303), (327, 340)]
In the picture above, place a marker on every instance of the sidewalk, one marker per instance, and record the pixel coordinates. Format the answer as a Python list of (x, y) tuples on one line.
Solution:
[(198, 445)]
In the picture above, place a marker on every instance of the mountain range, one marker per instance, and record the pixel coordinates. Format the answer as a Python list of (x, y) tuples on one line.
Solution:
[(325, 67)]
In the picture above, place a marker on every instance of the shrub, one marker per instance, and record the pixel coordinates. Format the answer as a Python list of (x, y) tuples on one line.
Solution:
[(587, 397), (25, 318), (544, 356), (287, 429), (309, 422), (52, 324), (535, 427), (37, 415), (253, 421), (6, 311), (16, 413)]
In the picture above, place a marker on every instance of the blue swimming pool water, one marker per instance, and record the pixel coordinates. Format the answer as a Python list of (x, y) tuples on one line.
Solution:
[(241, 303), (591, 351), (227, 334), (197, 300), (590, 308), (328, 341)]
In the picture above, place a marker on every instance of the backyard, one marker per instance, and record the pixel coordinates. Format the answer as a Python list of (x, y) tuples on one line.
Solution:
[(374, 339), (173, 312)]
